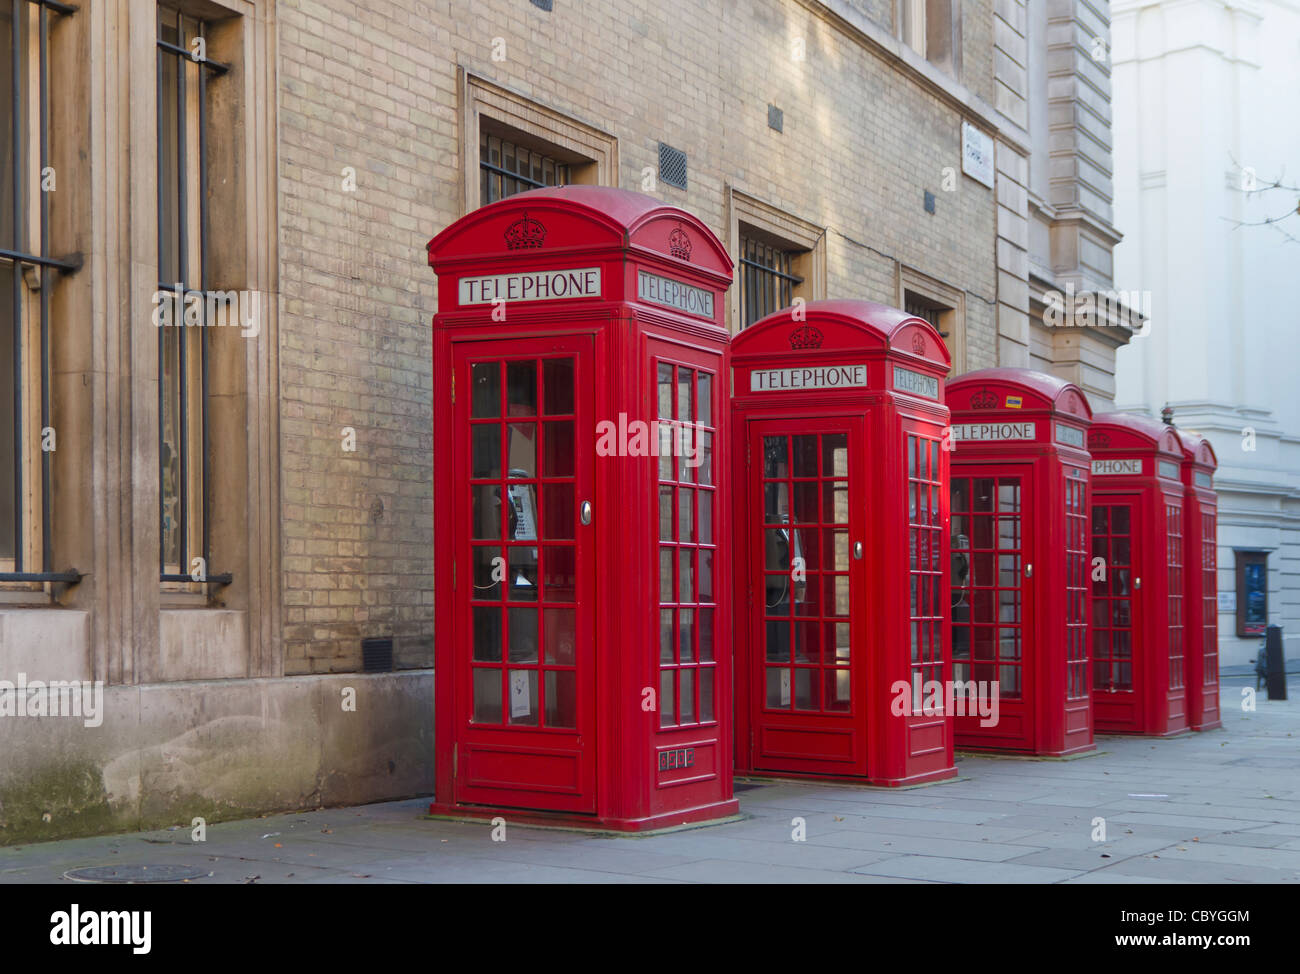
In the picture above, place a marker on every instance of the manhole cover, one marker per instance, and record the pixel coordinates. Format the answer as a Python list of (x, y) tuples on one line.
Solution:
[(134, 874)]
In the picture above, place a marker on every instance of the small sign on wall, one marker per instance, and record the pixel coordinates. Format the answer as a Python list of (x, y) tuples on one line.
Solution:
[(1227, 601), (977, 154)]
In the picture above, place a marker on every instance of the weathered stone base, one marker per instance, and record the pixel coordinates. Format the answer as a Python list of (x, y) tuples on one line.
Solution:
[(229, 749)]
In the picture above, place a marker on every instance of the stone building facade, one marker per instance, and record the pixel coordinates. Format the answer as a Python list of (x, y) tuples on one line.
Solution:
[(232, 509)]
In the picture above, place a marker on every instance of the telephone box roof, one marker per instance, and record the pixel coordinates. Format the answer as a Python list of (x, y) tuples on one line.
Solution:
[(613, 217), (1119, 431), (884, 327), (1054, 393)]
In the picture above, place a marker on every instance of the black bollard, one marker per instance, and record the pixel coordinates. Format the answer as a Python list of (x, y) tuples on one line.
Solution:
[(1276, 681)]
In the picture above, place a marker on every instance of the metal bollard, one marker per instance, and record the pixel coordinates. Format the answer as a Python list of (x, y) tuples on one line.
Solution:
[(1276, 680)]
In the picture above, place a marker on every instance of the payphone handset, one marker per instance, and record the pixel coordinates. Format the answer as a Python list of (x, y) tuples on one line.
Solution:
[(961, 570), (789, 554), (523, 517)]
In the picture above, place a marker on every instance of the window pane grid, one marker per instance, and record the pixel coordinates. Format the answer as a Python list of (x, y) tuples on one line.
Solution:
[(688, 550), (25, 520), (1076, 592), (988, 617), (506, 168), (1209, 602), (1112, 607), (1174, 554), (523, 548)]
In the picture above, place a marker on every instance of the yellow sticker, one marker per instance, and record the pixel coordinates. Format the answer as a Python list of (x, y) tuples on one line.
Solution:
[(1013, 402)]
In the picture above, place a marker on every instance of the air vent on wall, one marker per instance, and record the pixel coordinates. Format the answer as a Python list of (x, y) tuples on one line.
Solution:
[(672, 166), (377, 655)]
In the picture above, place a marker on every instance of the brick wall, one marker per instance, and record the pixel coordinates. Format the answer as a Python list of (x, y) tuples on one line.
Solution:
[(375, 88)]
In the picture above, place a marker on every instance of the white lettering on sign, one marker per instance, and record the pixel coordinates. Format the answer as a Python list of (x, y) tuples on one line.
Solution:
[(578, 282), (812, 377), (1069, 435), (674, 294), (1116, 466), (1168, 469), (908, 381), (976, 154), (993, 431)]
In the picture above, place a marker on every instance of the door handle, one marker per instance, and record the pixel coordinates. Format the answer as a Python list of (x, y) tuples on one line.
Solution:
[(584, 513), (857, 550), (1029, 570), (1137, 584)]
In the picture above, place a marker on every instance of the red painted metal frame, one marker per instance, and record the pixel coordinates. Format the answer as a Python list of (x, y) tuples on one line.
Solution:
[(1200, 508), (1047, 719), (641, 777), (1152, 706), (910, 748)]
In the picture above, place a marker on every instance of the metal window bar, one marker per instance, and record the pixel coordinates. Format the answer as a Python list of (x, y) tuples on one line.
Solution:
[(184, 489), (506, 168), (767, 283), (19, 256)]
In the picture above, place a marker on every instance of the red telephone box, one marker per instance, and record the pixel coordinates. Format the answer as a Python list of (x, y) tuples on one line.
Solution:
[(1201, 599), (840, 541), (1138, 617), (1019, 505), (581, 586)]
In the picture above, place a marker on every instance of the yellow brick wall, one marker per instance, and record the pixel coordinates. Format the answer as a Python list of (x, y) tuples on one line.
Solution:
[(374, 87)]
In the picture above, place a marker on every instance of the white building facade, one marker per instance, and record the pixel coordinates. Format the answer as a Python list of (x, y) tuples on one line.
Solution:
[(1205, 123)]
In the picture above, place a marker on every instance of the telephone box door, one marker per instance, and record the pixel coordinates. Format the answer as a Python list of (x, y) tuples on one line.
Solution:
[(993, 595), (523, 455), (807, 513), (1115, 630)]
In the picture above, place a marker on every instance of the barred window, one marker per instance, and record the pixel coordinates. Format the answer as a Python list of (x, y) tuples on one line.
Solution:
[(28, 275), (767, 279), (184, 76), (506, 168)]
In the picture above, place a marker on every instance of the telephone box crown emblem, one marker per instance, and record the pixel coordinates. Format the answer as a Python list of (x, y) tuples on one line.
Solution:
[(805, 337), (679, 244), (525, 234), (1098, 439), (983, 400), (918, 343)]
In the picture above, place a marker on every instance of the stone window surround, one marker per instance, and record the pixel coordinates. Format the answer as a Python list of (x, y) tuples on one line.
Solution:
[(808, 239), (953, 319)]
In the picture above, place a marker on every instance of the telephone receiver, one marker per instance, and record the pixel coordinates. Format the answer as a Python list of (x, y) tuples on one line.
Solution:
[(961, 570)]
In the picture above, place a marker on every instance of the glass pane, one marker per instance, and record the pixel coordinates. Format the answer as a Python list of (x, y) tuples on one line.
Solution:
[(1119, 520), (521, 388), (685, 575), (805, 689), (558, 458), (835, 502), (778, 687), (775, 457), (982, 500), (557, 381), (706, 575), (704, 398), (487, 634), (485, 513), (706, 694), (805, 455), (666, 575), (960, 494), (489, 569), (487, 695), (667, 699), (485, 450), (685, 377), (666, 636), (521, 573), (561, 636), (557, 512), (836, 691), (837, 643), (485, 392), (687, 695), (685, 514), (805, 502), (523, 697), (665, 514), (561, 577), (522, 512), (665, 391), (523, 635), (705, 626), (521, 452), (835, 455), (778, 640), (706, 517), (776, 502), (561, 698)]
